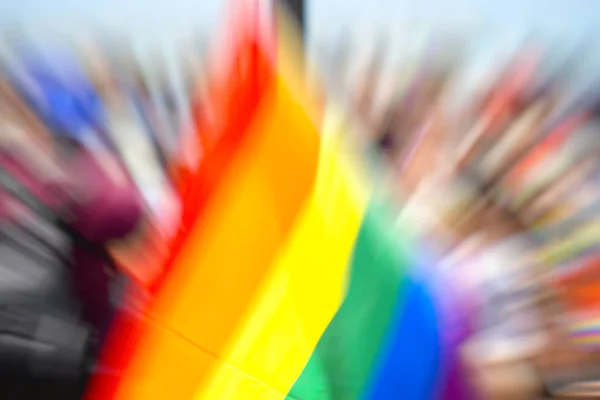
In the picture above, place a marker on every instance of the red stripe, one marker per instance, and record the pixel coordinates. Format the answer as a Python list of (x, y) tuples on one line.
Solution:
[(236, 99)]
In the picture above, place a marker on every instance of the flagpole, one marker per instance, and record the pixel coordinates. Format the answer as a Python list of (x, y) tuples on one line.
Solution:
[(296, 9)]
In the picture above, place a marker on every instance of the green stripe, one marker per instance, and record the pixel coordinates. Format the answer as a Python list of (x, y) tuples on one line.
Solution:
[(342, 361)]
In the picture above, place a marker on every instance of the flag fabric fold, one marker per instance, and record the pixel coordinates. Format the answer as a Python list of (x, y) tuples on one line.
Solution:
[(288, 281)]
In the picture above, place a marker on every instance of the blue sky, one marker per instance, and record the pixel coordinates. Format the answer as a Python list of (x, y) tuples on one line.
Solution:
[(326, 17), (493, 24)]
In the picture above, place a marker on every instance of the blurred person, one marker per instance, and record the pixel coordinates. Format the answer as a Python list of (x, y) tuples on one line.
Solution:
[(138, 89), (162, 146), (564, 134), (521, 338), (564, 178), (561, 191), (171, 104), (107, 208), (572, 354), (491, 165), (92, 193), (143, 253), (24, 150), (498, 106), (23, 132), (508, 332), (128, 123), (425, 131), (366, 89), (519, 136)]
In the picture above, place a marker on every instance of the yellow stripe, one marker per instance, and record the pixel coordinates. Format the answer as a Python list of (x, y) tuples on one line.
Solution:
[(302, 293)]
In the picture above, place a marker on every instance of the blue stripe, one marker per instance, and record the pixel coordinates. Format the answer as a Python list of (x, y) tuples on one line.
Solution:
[(409, 365)]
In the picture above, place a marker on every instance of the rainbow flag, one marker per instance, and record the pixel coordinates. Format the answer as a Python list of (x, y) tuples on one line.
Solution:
[(584, 329), (287, 281)]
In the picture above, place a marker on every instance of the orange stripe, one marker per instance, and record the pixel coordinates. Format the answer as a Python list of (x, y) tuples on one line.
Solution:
[(302, 292), (229, 252), (167, 367)]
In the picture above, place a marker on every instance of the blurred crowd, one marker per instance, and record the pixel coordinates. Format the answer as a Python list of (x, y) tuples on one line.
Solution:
[(61, 102), (503, 187)]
